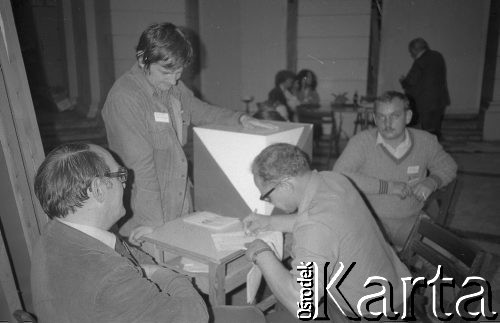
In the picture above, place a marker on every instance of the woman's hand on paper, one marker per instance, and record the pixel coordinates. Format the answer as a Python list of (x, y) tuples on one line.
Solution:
[(136, 234), (255, 223)]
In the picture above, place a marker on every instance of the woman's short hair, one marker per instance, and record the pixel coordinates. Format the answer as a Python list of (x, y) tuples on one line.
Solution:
[(165, 44), (280, 161), (63, 178)]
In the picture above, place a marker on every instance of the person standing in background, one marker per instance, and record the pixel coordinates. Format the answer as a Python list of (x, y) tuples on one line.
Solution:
[(427, 86)]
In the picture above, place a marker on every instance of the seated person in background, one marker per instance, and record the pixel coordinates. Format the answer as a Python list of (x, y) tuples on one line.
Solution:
[(81, 272), (269, 111), (308, 97), (281, 93), (332, 224), (306, 90), (396, 167)]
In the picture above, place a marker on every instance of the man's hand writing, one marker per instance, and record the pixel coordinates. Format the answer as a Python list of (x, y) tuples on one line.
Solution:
[(255, 223)]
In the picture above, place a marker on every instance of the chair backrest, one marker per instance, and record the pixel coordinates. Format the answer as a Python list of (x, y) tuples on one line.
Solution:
[(444, 198), (438, 246)]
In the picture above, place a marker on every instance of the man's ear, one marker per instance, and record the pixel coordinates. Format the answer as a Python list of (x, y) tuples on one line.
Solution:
[(96, 189), (409, 114), (140, 58), (288, 184)]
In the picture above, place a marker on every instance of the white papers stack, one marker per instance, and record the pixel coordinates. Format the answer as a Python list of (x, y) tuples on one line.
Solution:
[(211, 220)]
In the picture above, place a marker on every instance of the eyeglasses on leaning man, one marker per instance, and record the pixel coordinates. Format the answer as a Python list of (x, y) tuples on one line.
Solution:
[(121, 175)]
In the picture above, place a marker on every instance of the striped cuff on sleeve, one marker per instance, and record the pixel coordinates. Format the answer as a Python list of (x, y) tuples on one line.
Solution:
[(383, 187)]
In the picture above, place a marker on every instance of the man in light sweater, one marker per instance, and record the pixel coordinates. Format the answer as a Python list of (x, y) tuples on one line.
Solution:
[(396, 167)]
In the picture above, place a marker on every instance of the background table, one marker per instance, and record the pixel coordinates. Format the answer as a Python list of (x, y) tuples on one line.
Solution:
[(227, 270)]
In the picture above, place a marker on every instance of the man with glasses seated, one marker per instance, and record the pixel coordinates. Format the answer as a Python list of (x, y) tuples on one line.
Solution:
[(81, 272), (329, 222), (396, 167)]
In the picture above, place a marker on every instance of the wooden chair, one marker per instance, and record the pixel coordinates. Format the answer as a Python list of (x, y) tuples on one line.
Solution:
[(320, 117), (430, 245), (444, 198)]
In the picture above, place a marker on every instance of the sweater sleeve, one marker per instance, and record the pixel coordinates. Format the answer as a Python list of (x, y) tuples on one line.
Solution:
[(203, 113), (127, 296), (442, 167), (351, 161)]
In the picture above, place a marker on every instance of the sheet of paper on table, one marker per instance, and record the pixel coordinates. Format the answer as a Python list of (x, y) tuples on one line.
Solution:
[(237, 240), (211, 220)]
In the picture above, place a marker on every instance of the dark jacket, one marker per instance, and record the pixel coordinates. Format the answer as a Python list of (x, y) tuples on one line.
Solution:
[(76, 278), (426, 82)]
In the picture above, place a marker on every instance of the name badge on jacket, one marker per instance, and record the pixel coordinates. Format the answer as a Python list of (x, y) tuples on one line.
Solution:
[(162, 117)]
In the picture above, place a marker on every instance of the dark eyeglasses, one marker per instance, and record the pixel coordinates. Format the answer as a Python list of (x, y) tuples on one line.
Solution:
[(121, 174), (265, 196)]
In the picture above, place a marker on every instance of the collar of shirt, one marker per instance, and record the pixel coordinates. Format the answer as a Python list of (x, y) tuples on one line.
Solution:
[(105, 237), (309, 194), (420, 54), (400, 150)]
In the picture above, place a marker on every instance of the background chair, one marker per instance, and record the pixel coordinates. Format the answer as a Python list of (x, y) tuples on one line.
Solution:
[(320, 117), (443, 199), (430, 245)]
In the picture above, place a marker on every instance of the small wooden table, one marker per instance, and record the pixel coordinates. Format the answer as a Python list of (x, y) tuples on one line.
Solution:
[(227, 270), (363, 115)]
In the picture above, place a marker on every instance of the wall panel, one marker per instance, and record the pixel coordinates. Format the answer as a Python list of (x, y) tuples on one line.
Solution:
[(333, 41)]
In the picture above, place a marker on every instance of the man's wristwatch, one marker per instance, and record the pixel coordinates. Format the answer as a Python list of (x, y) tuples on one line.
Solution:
[(256, 253)]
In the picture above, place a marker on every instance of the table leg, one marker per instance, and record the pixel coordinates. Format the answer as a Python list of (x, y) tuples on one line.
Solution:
[(216, 284)]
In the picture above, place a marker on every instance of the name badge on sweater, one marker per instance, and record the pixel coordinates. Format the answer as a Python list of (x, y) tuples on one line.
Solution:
[(413, 172), (413, 169), (162, 117)]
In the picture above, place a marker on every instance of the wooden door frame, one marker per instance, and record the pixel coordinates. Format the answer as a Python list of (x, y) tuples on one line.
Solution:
[(21, 145)]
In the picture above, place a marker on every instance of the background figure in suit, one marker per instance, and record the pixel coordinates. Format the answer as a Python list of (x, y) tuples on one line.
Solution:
[(426, 85)]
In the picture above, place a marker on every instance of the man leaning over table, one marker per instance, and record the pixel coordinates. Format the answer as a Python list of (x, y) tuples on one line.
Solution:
[(396, 167), (332, 224), (81, 272), (147, 114)]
